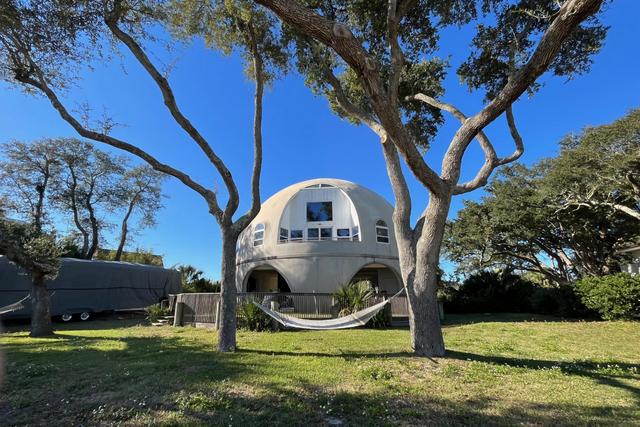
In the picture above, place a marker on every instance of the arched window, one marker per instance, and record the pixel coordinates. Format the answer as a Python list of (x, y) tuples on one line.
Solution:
[(258, 235), (382, 232)]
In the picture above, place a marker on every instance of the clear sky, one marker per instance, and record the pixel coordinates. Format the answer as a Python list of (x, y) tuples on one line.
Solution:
[(302, 138)]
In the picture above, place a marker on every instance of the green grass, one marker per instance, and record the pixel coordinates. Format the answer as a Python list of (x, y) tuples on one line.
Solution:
[(500, 370)]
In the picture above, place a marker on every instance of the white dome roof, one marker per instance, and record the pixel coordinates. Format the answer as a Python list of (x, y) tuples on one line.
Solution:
[(353, 207)]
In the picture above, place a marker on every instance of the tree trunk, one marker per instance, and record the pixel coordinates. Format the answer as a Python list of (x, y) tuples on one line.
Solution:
[(227, 331), (424, 318), (95, 232), (123, 233), (41, 306)]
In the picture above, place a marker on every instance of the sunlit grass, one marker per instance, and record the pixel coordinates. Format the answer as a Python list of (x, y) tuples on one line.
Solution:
[(500, 370)]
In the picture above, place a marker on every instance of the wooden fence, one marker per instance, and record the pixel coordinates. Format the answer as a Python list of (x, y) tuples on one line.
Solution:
[(202, 309)]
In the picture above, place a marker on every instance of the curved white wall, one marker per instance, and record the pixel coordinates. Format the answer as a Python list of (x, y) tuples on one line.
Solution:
[(319, 266)]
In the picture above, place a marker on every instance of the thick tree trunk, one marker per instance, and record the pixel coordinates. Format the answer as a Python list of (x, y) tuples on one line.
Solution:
[(424, 318), (227, 331), (41, 306)]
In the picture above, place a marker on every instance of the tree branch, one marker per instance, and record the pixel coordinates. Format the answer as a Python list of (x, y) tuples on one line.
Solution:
[(338, 37), (571, 14), (171, 104), (41, 84), (258, 67)]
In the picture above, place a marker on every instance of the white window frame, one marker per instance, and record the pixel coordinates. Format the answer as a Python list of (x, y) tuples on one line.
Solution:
[(296, 239), (258, 234), (382, 225), (355, 233), (283, 237), (347, 237)]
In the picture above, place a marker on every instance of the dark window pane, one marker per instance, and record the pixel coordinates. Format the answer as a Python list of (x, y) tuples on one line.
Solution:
[(257, 242), (258, 235), (319, 211), (382, 231), (312, 234), (296, 234), (342, 232), (383, 239), (326, 233)]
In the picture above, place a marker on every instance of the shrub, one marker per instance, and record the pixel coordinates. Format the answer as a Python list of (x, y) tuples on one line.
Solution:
[(252, 318), (352, 297), (155, 312), (616, 296), (491, 291), (559, 301)]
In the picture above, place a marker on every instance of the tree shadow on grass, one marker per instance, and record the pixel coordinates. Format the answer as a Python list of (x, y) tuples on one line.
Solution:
[(136, 381), (608, 373)]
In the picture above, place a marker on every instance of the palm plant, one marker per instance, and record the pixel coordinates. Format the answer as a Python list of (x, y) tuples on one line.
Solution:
[(353, 296)]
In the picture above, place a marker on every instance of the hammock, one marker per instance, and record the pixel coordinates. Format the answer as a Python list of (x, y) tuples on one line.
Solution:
[(15, 306), (359, 318)]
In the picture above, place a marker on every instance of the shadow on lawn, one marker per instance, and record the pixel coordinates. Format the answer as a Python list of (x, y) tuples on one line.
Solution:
[(607, 373), (610, 373), (103, 380)]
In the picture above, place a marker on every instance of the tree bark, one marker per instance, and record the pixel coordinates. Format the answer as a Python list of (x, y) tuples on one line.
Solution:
[(227, 331), (424, 319), (95, 230), (123, 232), (41, 306)]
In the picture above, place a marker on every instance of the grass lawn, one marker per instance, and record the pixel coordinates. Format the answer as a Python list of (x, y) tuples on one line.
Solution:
[(500, 370)]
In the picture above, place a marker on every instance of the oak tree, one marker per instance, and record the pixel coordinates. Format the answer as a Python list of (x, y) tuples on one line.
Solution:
[(379, 65)]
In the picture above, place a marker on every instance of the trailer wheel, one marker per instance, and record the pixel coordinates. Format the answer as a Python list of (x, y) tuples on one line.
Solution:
[(66, 317), (85, 315)]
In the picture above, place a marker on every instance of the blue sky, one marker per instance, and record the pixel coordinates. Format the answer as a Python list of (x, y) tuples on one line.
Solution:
[(302, 138)]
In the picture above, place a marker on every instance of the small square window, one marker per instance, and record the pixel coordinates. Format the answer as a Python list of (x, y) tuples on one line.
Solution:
[(284, 235), (326, 233), (313, 233), (355, 233), (343, 234), (296, 235)]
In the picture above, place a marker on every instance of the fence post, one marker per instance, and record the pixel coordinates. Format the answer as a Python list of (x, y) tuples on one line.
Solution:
[(217, 308), (177, 318)]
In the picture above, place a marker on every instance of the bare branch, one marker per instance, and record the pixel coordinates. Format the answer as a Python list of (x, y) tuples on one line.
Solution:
[(41, 84), (258, 67), (397, 57), (338, 37), (571, 14), (170, 102)]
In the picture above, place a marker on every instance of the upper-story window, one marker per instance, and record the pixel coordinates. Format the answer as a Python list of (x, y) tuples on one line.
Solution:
[(284, 235), (382, 232), (355, 234), (319, 211), (258, 235), (343, 234)]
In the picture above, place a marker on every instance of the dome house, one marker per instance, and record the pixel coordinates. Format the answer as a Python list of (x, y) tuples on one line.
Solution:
[(316, 235)]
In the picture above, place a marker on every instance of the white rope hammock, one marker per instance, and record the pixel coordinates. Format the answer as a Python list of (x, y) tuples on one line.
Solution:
[(15, 306), (359, 318)]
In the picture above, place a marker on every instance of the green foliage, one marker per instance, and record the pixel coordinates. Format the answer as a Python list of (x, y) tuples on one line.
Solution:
[(519, 225), (599, 168), (352, 297), (155, 312), (139, 256), (616, 296), (492, 292), (252, 318), (35, 251), (193, 281)]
